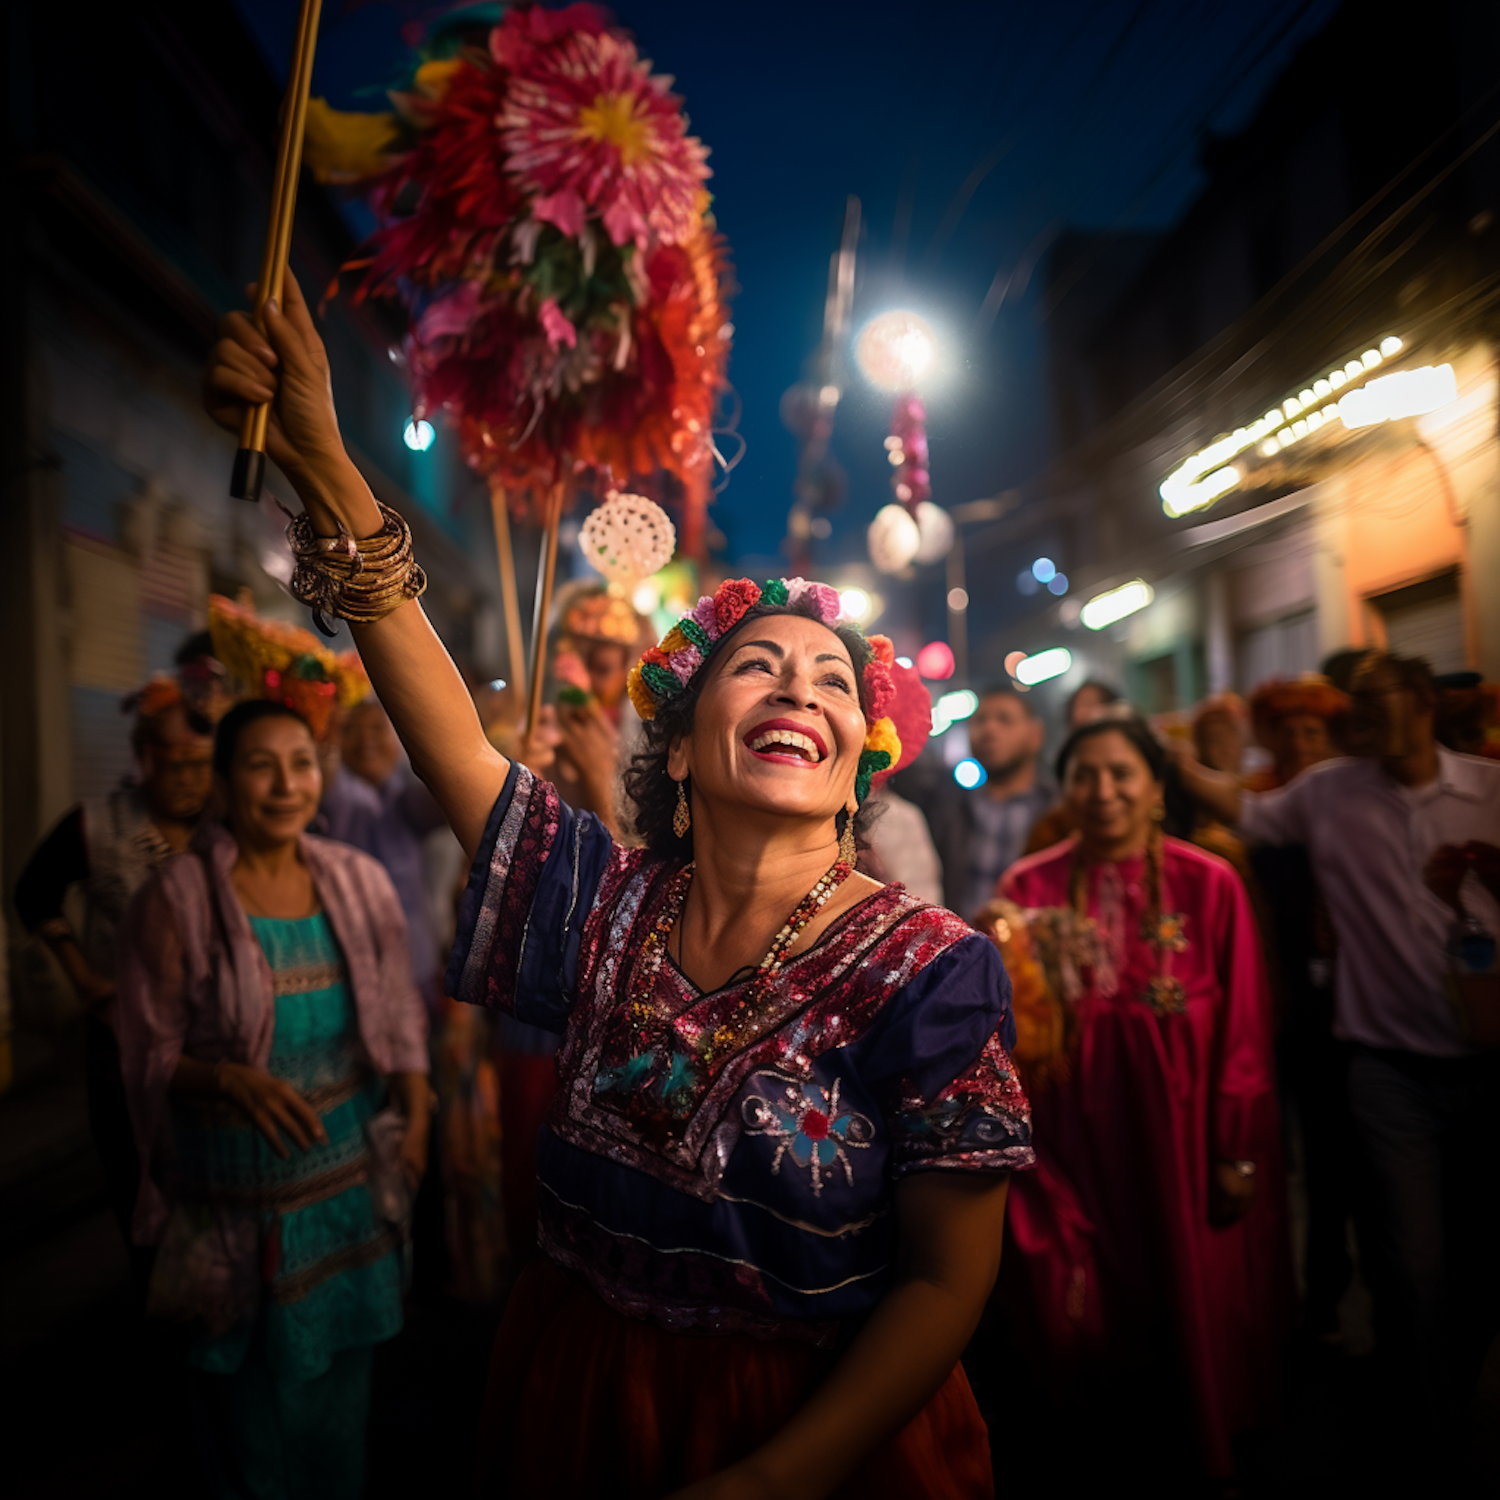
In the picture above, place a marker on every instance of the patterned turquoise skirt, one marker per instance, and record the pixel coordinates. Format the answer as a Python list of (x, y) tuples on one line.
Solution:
[(330, 1269)]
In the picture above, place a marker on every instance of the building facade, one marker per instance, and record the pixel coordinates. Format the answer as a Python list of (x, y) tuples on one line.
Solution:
[(1284, 419)]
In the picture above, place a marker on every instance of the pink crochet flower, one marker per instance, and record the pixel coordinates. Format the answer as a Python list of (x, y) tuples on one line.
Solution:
[(703, 612), (685, 662), (734, 597), (880, 691), (824, 600)]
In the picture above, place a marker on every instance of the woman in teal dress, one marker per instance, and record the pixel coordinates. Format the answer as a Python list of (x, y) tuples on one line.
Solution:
[(276, 1060)]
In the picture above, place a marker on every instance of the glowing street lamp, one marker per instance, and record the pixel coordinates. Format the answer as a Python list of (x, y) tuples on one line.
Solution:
[(895, 350)]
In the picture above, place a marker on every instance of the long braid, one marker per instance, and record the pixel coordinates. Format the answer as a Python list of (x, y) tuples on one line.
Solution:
[(1151, 921)]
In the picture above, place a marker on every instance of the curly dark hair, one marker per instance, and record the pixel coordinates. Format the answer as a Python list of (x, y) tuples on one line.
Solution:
[(651, 792)]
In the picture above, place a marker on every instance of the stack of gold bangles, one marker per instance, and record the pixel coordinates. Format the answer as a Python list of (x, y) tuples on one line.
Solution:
[(356, 579)]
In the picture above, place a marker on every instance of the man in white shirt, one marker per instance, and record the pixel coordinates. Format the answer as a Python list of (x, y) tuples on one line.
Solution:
[(1404, 839)]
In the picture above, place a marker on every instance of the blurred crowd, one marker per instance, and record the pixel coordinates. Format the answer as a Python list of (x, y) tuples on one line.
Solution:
[(1302, 887)]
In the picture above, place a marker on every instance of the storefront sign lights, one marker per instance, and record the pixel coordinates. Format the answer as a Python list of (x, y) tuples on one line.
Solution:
[(1203, 478), (1043, 666), (1105, 609)]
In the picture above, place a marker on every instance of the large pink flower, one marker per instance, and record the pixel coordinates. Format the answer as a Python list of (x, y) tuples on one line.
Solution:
[(589, 130)]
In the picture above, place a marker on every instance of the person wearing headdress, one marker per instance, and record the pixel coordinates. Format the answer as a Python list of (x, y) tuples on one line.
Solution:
[(1293, 720), (273, 1050), (1147, 1274), (773, 1181), (107, 847), (599, 636)]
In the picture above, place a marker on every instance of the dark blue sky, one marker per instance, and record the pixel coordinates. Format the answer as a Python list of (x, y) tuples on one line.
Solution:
[(1083, 112)]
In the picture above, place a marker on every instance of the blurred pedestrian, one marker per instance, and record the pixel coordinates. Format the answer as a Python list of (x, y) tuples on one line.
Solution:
[(1405, 845), (1219, 729), (1089, 701), (1293, 720), (1468, 714), (376, 804), (107, 847), (896, 842), (273, 1050), (980, 832), (1148, 1257)]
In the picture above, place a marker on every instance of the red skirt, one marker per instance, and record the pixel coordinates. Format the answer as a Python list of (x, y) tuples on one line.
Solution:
[(583, 1401)]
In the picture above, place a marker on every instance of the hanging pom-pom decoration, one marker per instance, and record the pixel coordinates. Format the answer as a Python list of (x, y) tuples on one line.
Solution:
[(907, 450), (628, 538)]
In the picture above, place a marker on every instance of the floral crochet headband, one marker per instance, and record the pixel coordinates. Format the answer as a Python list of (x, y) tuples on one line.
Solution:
[(668, 667)]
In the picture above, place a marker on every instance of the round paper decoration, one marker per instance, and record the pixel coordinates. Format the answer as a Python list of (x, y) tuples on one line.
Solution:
[(893, 538), (935, 530), (628, 538)]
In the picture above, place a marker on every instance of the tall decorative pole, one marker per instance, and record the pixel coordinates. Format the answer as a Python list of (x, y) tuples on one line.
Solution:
[(505, 558), (250, 462), (545, 575)]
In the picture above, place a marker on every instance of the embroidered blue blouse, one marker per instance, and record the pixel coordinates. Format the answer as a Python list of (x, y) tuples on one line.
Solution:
[(751, 1191)]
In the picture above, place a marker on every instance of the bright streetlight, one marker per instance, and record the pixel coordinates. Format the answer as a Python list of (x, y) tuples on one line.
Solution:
[(895, 350)]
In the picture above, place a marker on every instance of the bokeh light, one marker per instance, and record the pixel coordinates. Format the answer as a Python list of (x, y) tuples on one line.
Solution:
[(969, 774), (935, 661), (895, 350)]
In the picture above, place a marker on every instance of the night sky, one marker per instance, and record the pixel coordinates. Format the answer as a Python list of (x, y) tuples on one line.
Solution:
[(969, 132)]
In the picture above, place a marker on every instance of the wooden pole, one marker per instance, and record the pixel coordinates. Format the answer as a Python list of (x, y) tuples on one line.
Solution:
[(250, 461), (539, 618), (509, 598)]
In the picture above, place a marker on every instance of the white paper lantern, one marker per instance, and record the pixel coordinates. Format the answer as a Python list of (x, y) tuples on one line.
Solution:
[(935, 533), (628, 538), (893, 538)]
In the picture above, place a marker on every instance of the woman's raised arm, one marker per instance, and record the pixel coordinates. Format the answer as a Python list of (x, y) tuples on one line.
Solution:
[(410, 668)]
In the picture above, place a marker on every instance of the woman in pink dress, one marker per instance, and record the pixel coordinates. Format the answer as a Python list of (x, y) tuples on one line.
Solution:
[(1149, 1260)]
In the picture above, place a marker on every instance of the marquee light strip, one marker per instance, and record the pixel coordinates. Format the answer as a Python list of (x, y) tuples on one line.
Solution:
[(1201, 479)]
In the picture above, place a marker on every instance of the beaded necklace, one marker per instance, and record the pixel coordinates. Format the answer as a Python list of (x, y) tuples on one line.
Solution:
[(652, 1024)]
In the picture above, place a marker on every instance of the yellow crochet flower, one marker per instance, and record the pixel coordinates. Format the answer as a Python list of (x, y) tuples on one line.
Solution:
[(640, 694), (881, 735), (673, 640)]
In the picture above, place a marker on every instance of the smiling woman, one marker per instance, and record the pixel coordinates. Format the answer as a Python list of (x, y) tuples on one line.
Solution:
[(266, 1015), (1151, 1255), (773, 1182)]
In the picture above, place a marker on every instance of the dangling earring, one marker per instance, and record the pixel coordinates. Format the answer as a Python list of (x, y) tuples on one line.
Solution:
[(682, 819), (1158, 813), (847, 852)]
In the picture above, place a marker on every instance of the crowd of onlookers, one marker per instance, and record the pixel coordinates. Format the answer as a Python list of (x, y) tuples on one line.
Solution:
[(1261, 931)]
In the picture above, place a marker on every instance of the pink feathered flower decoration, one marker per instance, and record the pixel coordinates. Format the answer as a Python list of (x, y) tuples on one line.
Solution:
[(556, 326), (590, 129)]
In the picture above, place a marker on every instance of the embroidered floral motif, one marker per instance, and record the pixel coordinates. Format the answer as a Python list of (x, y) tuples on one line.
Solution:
[(980, 1120), (1170, 935), (809, 1125), (1165, 995)]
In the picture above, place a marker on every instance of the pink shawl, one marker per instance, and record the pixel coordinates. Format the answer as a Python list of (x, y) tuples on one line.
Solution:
[(192, 979)]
